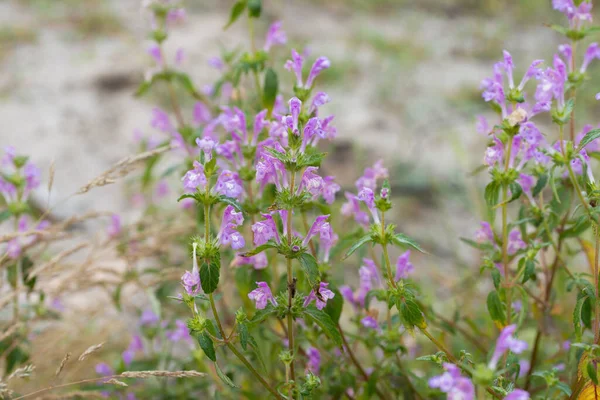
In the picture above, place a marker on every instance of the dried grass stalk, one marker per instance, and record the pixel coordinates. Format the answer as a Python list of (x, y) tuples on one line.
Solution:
[(116, 382), (90, 350), (170, 374), (62, 364), (22, 372), (8, 332), (121, 169), (56, 259)]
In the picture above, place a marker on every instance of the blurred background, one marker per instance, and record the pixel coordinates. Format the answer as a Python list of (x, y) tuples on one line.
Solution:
[(404, 85)]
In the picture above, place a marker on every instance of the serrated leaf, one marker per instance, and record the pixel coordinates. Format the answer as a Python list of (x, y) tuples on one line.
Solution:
[(232, 202), (186, 196), (529, 272), (323, 320), (588, 138), (310, 267), (269, 245), (270, 89), (206, 344), (496, 278), (261, 315), (400, 239), (411, 314), (237, 10), (591, 371), (334, 306), (244, 335), (209, 275), (224, 377), (563, 387), (495, 307), (577, 326), (355, 246), (492, 192)]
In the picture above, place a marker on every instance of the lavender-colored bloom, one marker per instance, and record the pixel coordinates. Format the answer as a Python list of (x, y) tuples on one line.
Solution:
[(258, 261), (104, 369), (348, 294), (31, 173), (216, 63), (403, 266), (517, 394), (566, 345), (295, 106), (352, 207), (506, 341), (181, 332), (368, 197), (330, 188), (275, 36), (155, 53), (321, 227), (176, 15), (230, 235), (260, 122), (592, 52), (194, 179), (191, 280), (161, 121), (295, 65), (311, 182), (482, 126), (369, 322), (201, 113), (451, 382), (485, 233), (531, 133), (229, 184), (321, 64), (527, 182), (321, 98), (149, 318), (206, 144), (515, 241), (261, 295), (320, 297), (314, 360), (265, 230), (114, 229), (495, 153)]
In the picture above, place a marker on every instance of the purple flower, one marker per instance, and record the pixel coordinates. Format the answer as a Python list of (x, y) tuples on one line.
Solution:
[(352, 207), (506, 341), (229, 184), (265, 230), (201, 113), (321, 227), (261, 295), (592, 52), (453, 383), (230, 235), (194, 179), (321, 64), (295, 65), (403, 266), (176, 15), (114, 228), (275, 36), (575, 14), (495, 153), (311, 182), (482, 126), (148, 318), (206, 144), (314, 360), (216, 63), (515, 241), (295, 106), (330, 188), (260, 122), (258, 261), (321, 98), (320, 297), (485, 233), (180, 332), (161, 121), (191, 280), (371, 175), (104, 369), (566, 345), (369, 322), (155, 53), (517, 394), (367, 196), (32, 177)]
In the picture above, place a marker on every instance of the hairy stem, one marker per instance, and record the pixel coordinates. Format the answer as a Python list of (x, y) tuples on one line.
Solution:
[(291, 289)]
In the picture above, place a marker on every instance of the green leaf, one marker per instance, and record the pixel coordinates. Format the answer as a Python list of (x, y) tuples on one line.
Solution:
[(495, 307), (4, 215), (492, 191), (591, 370), (324, 321), (588, 138), (224, 377), (577, 317), (237, 10), (261, 315), (143, 88), (187, 196), (209, 275), (477, 245), (496, 278), (540, 185), (334, 306), (186, 82), (270, 89), (563, 387), (244, 335), (355, 246), (232, 202), (269, 245), (581, 225), (529, 272), (400, 239), (206, 344), (553, 185), (310, 267), (516, 190), (411, 314), (254, 8)]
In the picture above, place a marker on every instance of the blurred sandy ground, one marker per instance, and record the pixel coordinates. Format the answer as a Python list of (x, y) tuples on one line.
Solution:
[(404, 87)]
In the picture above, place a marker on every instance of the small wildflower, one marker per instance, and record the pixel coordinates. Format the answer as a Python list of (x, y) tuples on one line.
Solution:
[(323, 294), (261, 295)]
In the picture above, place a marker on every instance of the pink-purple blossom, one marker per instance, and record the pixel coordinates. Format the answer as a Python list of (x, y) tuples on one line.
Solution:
[(506, 341), (320, 296), (265, 230), (262, 295), (403, 266), (275, 36), (451, 382)]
